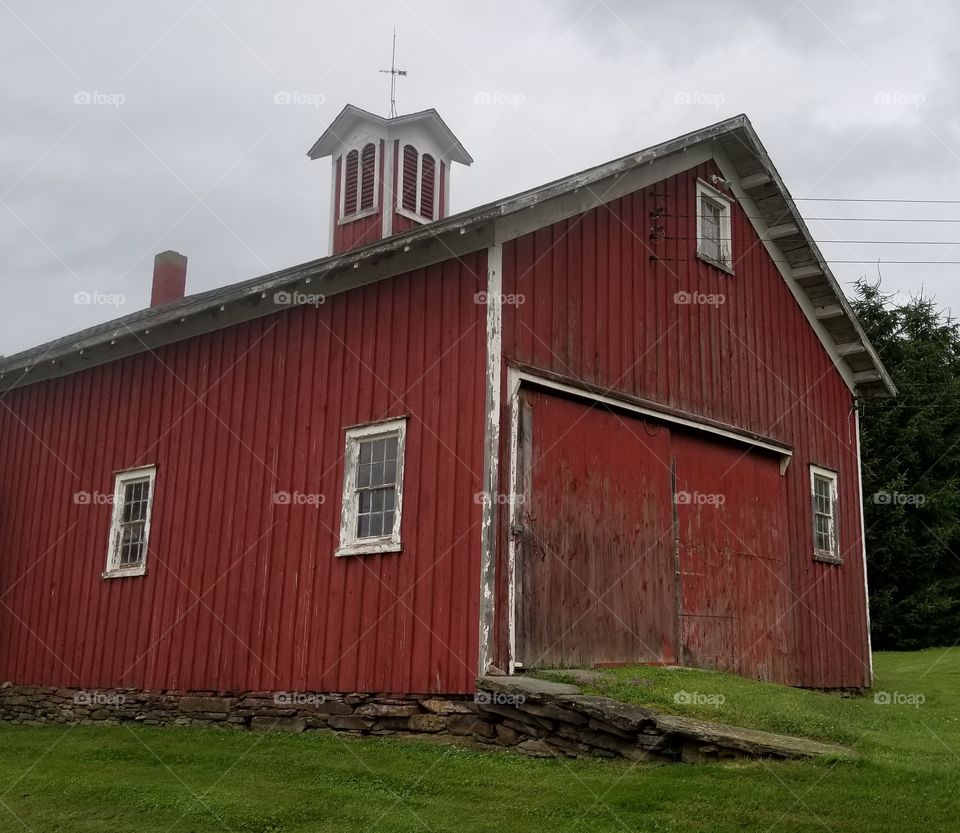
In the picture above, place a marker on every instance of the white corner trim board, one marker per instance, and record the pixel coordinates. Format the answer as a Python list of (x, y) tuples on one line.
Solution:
[(491, 454)]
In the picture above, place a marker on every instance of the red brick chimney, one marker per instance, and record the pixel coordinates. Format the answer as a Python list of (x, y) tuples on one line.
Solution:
[(169, 278)]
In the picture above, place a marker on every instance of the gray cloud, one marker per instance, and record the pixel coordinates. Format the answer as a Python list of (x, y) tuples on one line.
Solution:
[(850, 99)]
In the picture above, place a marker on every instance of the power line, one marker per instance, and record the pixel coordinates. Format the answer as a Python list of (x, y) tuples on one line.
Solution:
[(872, 199), (881, 219), (788, 216), (872, 262), (863, 242)]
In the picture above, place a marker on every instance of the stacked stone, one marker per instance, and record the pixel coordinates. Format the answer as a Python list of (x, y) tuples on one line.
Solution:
[(537, 718), (297, 712)]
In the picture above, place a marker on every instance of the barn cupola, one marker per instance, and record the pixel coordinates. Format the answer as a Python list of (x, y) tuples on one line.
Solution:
[(389, 174)]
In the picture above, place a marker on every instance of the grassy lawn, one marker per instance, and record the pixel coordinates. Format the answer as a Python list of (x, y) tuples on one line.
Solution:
[(175, 781)]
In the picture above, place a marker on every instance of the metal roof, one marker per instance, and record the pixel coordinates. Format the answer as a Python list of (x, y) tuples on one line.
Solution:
[(467, 231)]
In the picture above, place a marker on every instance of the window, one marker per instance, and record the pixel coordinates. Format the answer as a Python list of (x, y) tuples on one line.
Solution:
[(130, 526), (714, 239), (823, 485), (418, 185), (359, 197), (373, 489)]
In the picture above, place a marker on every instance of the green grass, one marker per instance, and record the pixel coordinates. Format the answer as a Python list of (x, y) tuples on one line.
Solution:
[(176, 781)]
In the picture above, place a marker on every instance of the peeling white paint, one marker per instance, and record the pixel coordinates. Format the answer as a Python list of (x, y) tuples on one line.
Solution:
[(491, 454)]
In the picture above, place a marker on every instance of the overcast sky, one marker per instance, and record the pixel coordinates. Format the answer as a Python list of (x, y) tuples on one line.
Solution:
[(132, 127)]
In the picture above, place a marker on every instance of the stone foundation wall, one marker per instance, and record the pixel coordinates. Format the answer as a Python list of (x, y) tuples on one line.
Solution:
[(377, 714), (535, 717)]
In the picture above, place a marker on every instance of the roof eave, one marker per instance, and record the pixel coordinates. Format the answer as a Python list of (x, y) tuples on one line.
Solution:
[(330, 140), (875, 382)]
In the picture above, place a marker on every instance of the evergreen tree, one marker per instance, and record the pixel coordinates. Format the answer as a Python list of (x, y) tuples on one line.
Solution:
[(911, 473)]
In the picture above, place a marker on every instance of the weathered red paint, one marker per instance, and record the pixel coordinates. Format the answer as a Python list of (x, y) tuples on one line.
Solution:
[(734, 604), (596, 576), (243, 593), (598, 306)]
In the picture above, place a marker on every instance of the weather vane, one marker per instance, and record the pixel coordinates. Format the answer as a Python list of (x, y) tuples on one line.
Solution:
[(393, 72)]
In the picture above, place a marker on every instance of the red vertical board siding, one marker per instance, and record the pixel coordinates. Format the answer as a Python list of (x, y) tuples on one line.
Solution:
[(598, 306), (243, 593)]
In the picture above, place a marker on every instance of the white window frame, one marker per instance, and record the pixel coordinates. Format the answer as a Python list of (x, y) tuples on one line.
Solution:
[(831, 556), (709, 193), (417, 215), (350, 544), (121, 479), (367, 212)]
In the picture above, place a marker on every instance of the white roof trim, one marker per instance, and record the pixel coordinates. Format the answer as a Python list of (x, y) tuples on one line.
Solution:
[(332, 139)]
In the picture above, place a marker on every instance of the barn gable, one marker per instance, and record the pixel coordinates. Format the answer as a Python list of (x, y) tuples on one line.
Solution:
[(730, 395)]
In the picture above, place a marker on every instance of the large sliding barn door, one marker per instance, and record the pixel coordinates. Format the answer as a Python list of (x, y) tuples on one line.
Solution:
[(734, 601), (592, 536)]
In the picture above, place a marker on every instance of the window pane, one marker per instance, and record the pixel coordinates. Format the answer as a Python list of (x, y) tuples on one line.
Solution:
[(375, 512), (363, 475), (365, 451), (391, 445), (363, 526), (822, 495), (377, 465), (131, 545), (136, 499), (711, 223)]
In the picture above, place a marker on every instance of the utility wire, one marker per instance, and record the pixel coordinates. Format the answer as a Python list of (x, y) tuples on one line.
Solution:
[(863, 242), (872, 199), (788, 217), (872, 261)]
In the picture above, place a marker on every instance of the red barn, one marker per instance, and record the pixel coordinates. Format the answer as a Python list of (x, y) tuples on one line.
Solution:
[(612, 419)]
